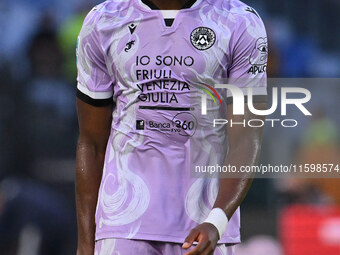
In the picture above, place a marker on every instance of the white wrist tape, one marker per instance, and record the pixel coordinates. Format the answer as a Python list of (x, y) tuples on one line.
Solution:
[(219, 219)]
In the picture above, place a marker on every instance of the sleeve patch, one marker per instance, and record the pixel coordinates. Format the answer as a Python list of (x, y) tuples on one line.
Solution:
[(259, 56)]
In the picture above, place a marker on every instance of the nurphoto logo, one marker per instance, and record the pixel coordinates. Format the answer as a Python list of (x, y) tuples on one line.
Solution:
[(287, 98)]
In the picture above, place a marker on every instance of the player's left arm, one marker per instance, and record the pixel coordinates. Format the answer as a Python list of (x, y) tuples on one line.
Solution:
[(244, 150), (249, 51)]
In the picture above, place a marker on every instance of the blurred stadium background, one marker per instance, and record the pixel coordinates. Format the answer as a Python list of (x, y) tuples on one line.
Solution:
[(38, 130)]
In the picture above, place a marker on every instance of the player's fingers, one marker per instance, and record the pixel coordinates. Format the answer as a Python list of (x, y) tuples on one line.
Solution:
[(209, 250), (201, 246), (193, 235)]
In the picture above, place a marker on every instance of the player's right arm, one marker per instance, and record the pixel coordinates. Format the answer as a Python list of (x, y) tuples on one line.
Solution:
[(94, 127), (94, 107)]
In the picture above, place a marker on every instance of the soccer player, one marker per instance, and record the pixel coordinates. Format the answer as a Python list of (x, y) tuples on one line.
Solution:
[(144, 67)]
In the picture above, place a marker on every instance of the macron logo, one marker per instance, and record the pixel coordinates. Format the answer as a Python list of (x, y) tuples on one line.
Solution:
[(132, 28)]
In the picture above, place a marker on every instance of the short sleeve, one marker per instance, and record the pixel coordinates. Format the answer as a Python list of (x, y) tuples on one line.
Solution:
[(249, 51), (95, 85)]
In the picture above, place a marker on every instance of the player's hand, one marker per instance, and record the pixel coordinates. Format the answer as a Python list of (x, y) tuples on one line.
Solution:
[(206, 235)]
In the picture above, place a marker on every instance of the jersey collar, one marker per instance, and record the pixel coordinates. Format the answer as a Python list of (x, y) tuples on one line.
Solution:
[(152, 6)]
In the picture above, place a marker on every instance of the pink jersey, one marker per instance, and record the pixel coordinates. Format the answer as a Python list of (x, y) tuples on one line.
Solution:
[(156, 65)]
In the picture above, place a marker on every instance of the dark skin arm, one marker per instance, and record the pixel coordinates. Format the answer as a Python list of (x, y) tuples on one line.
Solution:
[(244, 150), (94, 127)]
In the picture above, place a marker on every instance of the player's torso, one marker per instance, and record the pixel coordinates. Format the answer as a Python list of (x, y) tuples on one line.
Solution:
[(160, 76)]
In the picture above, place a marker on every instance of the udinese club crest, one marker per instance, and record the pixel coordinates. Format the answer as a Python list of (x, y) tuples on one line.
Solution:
[(203, 38)]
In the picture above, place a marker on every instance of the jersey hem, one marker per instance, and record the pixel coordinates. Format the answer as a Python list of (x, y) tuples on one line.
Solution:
[(159, 238)]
